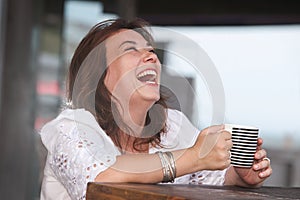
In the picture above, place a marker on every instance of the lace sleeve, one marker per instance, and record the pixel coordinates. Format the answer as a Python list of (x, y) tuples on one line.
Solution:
[(78, 154)]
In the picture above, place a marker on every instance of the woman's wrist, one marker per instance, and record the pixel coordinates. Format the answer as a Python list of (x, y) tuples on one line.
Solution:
[(186, 161), (193, 155), (148, 168)]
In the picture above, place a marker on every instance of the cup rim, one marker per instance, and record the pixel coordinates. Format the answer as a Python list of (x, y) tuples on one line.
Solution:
[(242, 127)]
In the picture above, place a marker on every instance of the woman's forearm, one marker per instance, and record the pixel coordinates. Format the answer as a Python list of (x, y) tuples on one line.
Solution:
[(209, 152), (146, 168)]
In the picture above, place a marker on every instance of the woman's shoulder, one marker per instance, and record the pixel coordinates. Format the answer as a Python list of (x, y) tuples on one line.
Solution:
[(69, 118), (74, 124), (76, 115)]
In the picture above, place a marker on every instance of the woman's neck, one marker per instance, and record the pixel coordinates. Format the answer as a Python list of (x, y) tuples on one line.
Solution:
[(134, 116)]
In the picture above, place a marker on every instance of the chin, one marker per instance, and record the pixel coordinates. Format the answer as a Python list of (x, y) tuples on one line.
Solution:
[(151, 97), (150, 93)]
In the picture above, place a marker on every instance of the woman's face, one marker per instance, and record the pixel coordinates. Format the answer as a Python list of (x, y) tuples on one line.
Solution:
[(133, 67)]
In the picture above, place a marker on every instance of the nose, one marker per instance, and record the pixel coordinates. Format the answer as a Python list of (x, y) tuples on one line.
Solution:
[(150, 56)]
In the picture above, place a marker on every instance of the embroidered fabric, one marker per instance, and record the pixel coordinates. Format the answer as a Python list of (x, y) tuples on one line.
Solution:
[(207, 177), (78, 150), (77, 153)]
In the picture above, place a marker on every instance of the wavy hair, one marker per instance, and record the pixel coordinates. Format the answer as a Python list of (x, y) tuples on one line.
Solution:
[(86, 88)]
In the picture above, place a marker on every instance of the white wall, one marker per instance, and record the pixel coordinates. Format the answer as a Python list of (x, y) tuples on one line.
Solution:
[(259, 67), (260, 70)]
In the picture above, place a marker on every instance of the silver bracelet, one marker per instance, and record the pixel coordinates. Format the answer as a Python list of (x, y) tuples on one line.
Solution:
[(168, 166), (166, 177), (172, 164)]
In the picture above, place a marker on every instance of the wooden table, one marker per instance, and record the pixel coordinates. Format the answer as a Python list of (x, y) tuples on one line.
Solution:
[(131, 191)]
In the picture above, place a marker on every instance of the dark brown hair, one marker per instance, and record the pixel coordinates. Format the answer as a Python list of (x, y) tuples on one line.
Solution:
[(86, 88)]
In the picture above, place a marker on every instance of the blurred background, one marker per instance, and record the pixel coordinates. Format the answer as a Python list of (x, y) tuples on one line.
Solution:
[(254, 45)]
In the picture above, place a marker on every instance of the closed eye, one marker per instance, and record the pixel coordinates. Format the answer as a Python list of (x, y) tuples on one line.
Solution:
[(136, 49), (152, 51), (131, 49)]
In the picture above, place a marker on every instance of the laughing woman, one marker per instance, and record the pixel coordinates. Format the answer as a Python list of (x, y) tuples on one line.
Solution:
[(119, 128)]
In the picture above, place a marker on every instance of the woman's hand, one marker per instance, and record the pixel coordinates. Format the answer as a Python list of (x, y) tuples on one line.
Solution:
[(212, 148), (260, 170)]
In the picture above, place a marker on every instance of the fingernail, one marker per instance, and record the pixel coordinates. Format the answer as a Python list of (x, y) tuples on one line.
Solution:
[(258, 155), (255, 166), (261, 174)]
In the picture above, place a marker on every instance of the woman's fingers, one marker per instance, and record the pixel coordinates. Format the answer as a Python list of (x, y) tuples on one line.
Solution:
[(260, 154), (262, 164), (229, 144), (215, 128), (214, 144), (266, 173), (259, 142)]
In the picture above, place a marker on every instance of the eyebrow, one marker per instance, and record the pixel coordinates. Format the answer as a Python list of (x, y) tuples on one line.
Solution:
[(131, 42)]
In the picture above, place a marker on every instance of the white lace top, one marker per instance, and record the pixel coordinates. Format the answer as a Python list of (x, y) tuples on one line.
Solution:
[(78, 150)]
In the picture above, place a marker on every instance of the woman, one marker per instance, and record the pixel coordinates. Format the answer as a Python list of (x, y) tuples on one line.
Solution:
[(119, 128)]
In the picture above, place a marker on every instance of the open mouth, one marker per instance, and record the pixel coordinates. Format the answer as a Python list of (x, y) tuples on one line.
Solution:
[(147, 76)]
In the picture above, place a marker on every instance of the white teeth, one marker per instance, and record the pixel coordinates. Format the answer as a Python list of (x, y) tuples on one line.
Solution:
[(151, 82), (147, 72)]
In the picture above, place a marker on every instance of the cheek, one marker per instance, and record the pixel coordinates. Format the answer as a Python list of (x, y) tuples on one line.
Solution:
[(121, 71), (110, 79), (114, 75)]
